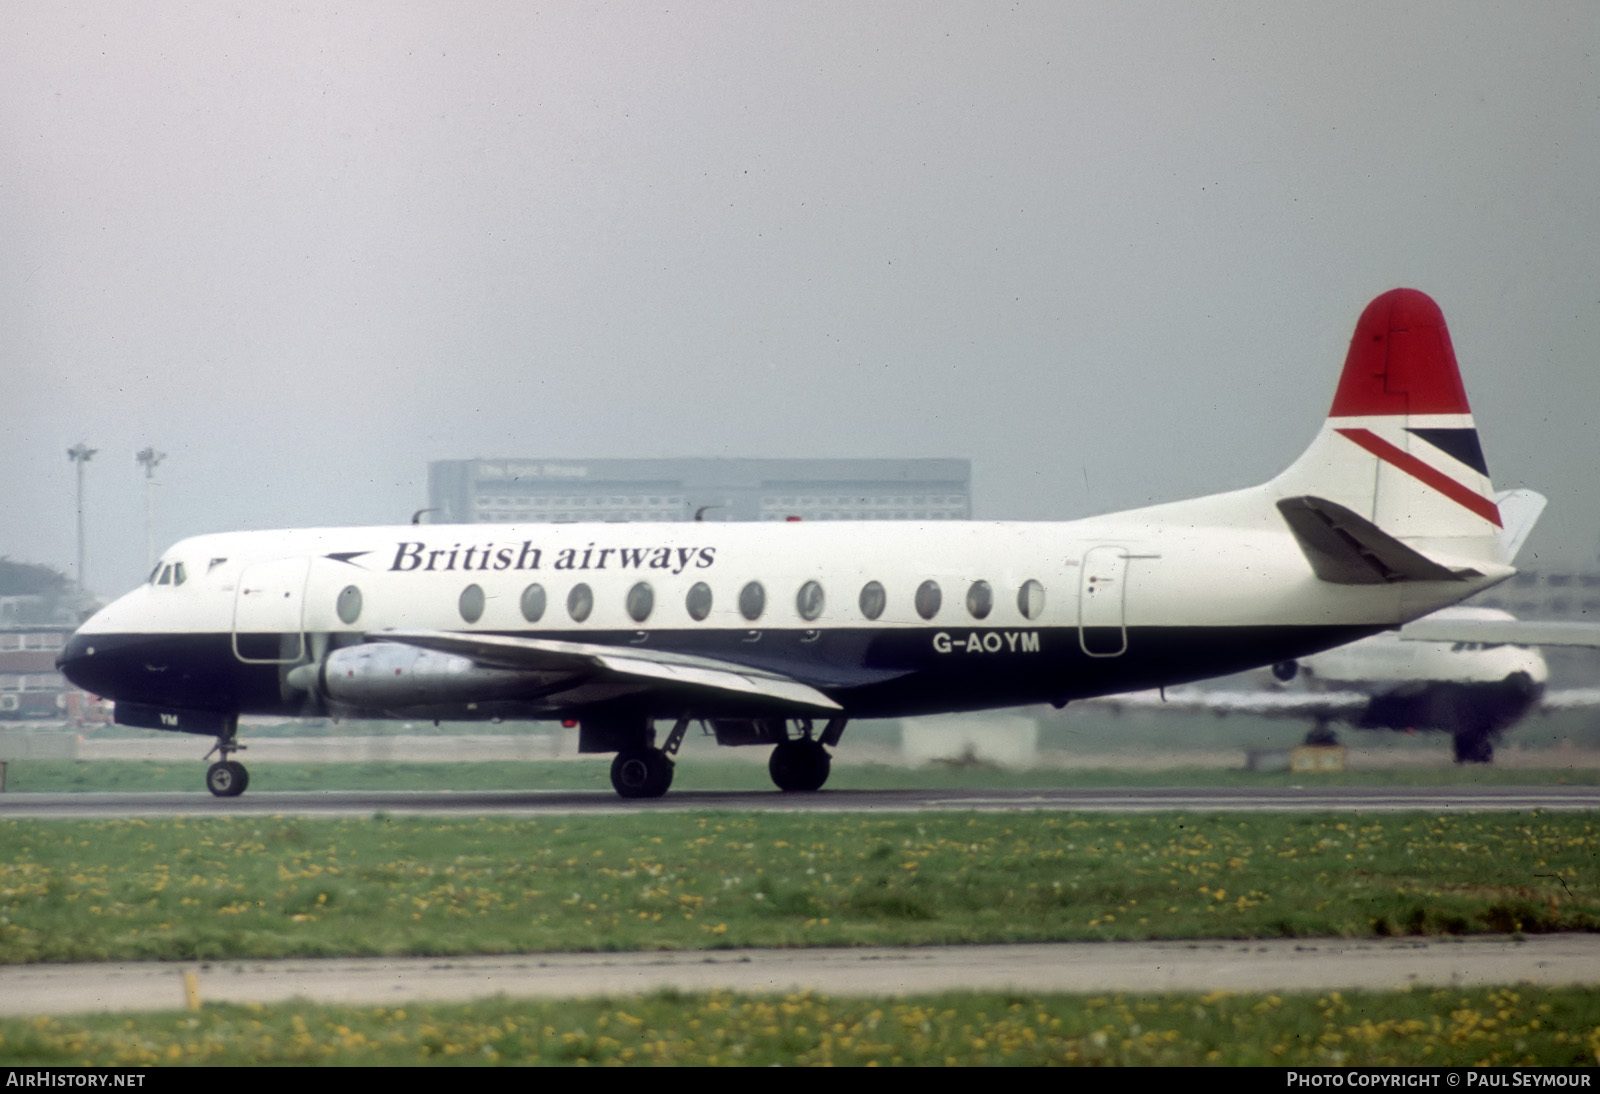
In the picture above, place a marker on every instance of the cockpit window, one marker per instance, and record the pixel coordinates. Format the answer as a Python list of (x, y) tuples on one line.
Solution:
[(168, 573)]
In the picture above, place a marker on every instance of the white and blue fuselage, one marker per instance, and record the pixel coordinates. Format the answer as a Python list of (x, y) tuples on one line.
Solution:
[(754, 627)]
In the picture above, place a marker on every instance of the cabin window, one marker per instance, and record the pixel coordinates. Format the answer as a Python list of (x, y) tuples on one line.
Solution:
[(980, 600), (471, 603), (873, 599), (580, 602), (641, 600), (928, 599), (533, 603), (1030, 599), (752, 601), (698, 601), (349, 604), (808, 601)]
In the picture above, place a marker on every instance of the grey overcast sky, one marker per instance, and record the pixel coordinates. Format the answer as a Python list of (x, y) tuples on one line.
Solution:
[(1112, 252)]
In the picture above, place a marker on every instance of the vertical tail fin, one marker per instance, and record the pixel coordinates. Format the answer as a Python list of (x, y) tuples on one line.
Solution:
[(1400, 448)]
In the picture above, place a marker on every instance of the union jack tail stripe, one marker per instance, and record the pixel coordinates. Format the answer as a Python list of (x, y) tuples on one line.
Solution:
[(1425, 473)]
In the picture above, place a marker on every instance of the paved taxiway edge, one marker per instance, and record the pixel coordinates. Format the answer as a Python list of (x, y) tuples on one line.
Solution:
[(1199, 966)]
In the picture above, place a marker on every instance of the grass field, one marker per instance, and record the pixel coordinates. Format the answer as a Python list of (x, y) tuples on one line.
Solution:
[(1491, 1027), (215, 888)]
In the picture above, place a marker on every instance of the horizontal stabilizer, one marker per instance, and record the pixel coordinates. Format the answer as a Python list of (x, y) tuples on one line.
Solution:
[(1346, 549), (550, 655)]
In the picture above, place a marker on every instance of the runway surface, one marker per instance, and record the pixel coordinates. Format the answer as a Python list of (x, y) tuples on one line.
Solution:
[(1273, 965), (516, 802)]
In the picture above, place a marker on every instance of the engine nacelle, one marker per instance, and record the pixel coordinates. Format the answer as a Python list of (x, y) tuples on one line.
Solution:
[(394, 676)]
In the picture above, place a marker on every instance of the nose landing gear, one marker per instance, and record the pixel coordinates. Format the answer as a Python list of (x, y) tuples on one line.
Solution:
[(227, 778)]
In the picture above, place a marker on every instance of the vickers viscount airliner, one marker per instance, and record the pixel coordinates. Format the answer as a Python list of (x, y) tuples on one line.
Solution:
[(764, 632)]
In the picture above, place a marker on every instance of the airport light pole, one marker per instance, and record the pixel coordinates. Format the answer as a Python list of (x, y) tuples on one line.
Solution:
[(148, 458), (81, 454)]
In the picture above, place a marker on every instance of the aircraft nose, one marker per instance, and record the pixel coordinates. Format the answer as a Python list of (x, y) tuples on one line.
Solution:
[(77, 663)]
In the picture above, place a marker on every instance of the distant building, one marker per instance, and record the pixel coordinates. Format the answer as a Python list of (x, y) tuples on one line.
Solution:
[(522, 490), (30, 686), (38, 612)]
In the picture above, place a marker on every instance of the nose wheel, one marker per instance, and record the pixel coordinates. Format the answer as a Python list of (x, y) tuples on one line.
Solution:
[(227, 778)]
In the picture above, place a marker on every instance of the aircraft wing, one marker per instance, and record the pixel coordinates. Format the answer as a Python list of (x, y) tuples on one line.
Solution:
[(549, 656), (1264, 704), (1506, 632), (1569, 699)]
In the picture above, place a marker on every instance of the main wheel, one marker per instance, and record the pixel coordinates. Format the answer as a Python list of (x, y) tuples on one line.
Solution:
[(641, 773), (801, 765), (1321, 735), (227, 778), (1474, 748)]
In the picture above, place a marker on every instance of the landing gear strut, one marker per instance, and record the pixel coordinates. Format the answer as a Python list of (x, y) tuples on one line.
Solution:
[(227, 778)]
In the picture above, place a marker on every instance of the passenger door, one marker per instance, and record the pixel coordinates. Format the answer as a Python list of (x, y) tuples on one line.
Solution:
[(1101, 589), (267, 612)]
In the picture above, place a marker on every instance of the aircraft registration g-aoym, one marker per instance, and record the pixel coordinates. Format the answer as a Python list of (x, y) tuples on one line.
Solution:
[(762, 631)]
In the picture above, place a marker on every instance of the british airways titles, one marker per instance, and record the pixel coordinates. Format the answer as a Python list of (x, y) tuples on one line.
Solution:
[(412, 555)]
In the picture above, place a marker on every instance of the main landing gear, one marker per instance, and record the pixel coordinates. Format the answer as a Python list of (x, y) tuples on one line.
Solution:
[(802, 764), (641, 773), (1322, 735), (799, 765), (640, 769), (1474, 747), (227, 778)]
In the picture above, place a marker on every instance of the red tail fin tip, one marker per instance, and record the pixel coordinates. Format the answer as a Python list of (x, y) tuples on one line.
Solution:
[(1400, 361)]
